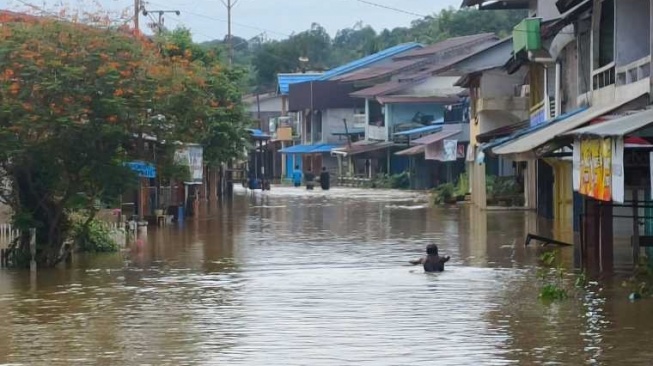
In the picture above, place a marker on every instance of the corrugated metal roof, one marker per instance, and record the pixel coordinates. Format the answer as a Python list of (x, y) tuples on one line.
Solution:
[(438, 136), (552, 129), (284, 80), (415, 131), (449, 44), (369, 60), (414, 100), (356, 149), (620, 126), (415, 150)]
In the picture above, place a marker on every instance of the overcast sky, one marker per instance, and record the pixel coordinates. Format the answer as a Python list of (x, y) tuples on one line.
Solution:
[(277, 18)]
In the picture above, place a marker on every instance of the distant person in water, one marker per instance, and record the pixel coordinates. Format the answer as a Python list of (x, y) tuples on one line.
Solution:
[(309, 177), (325, 180), (432, 262), (297, 176)]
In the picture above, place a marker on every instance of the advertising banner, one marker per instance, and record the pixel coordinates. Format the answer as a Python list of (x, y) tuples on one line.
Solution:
[(593, 168), (192, 156)]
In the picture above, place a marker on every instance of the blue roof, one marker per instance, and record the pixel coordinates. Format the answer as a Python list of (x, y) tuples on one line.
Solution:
[(369, 60), (527, 130), (351, 131), (258, 134), (309, 149), (284, 80), (425, 129)]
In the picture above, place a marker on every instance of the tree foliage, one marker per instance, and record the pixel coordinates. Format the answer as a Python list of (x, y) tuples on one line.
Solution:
[(266, 59), (73, 98)]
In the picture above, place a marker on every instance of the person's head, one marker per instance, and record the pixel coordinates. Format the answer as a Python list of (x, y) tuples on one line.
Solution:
[(432, 249), (324, 169), (297, 167)]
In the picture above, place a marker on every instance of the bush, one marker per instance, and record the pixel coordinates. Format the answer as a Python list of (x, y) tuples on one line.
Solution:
[(444, 193), (396, 181), (93, 238)]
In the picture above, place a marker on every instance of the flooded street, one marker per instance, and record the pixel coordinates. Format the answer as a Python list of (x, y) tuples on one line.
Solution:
[(290, 277)]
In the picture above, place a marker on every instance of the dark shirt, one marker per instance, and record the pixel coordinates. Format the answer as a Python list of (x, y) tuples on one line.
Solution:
[(309, 177), (325, 180), (434, 263)]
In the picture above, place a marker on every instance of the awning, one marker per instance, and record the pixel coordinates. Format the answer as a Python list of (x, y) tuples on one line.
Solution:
[(420, 130), (551, 130), (501, 132), (620, 126), (309, 149), (258, 134), (362, 147), (415, 150), (350, 132), (390, 99), (438, 136)]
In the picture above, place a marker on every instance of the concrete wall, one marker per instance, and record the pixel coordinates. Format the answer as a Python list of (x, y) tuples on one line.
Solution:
[(497, 83), (332, 122), (434, 86), (569, 79), (546, 9), (267, 105), (633, 28)]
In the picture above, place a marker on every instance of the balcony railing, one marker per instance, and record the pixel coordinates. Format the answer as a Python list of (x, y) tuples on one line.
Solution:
[(634, 71), (604, 76)]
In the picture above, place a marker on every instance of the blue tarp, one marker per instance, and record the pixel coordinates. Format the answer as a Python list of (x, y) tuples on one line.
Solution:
[(284, 80), (144, 169), (258, 134), (309, 149), (425, 129)]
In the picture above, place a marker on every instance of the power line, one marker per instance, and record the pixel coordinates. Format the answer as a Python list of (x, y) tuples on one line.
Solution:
[(234, 23), (392, 8)]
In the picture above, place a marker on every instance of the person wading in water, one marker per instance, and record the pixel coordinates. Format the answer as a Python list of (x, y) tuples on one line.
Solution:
[(432, 262), (309, 177), (325, 180)]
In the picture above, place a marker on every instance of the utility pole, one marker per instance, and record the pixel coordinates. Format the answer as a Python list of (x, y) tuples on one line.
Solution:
[(230, 4), (137, 13), (159, 23)]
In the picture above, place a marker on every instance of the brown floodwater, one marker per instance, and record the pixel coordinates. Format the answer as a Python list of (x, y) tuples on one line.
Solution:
[(290, 277)]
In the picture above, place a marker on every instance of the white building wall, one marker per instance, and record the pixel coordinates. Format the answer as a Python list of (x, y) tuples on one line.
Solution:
[(434, 86), (268, 105), (332, 121)]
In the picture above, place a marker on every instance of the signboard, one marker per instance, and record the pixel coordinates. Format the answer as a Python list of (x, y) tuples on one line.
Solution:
[(144, 169), (192, 156), (539, 115), (595, 169), (450, 150)]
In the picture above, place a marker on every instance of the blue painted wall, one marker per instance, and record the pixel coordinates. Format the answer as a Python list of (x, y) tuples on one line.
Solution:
[(399, 164), (402, 113), (291, 161)]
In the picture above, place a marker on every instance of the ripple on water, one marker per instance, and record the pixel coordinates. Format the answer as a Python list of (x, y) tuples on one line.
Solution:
[(290, 277)]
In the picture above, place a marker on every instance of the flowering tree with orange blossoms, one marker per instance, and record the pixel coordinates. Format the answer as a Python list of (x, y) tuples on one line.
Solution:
[(72, 97)]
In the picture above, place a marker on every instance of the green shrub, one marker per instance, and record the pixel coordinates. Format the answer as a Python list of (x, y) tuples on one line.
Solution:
[(396, 181), (552, 276), (93, 238), (444, 193)]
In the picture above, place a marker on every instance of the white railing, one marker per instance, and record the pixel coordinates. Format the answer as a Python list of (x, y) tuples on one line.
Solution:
[(634, 72), (7, 235), (360, 120), (604, 76)]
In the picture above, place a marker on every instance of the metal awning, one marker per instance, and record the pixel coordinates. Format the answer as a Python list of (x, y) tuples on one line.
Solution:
[(415, 150), (257, 134), (620, 126), (420, 130), (362, 147), (309, 149), (551, 130), (350, 132), (438, 136)]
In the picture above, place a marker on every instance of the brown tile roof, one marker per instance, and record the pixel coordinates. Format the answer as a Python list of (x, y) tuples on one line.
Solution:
[(449, 45)]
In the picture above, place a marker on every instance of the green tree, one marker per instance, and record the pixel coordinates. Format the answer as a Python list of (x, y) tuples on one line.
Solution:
[(73, 98)]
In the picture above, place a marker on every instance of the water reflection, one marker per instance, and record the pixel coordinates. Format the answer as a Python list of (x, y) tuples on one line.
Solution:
[(290, 277)]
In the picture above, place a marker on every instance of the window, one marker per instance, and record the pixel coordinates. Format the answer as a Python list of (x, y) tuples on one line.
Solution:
[(604, 35), (376, 114)]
